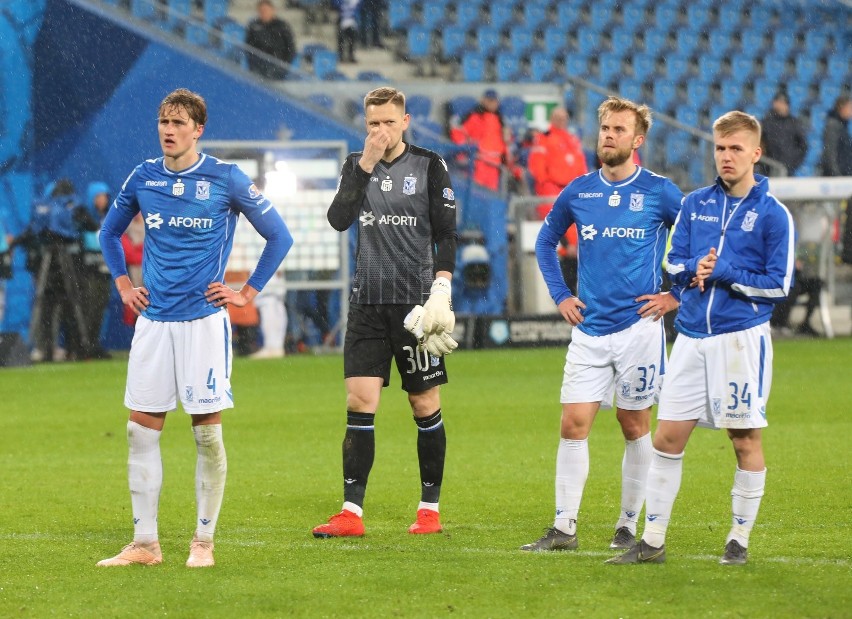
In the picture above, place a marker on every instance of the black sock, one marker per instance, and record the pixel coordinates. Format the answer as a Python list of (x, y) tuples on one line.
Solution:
[(359, 450), (431, 450)]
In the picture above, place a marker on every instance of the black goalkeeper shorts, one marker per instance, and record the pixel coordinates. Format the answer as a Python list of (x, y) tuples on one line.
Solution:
[(374, 335)]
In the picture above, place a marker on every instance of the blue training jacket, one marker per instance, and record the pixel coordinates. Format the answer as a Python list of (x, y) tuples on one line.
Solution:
[(754, 238)]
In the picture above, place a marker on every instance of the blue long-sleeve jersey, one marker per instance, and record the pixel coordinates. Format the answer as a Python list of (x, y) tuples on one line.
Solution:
[(754, 239), (622, 231), (190, 217)]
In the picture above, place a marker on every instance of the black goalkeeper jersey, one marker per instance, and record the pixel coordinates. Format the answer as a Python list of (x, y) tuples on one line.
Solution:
[(406, 216)]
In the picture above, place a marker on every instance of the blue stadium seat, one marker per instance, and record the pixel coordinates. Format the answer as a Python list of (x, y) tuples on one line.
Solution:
[(687, 114), (434, 14), (325, 63), (783, 41), (708, 67), (774, 67), (631, 88), (600, 14), (665, 15), (687, 41), (742, 67), (177, 14), (458, 107), (624, 36), (676, 67), (698, 92), (513, 110), (399, 16), (751, 42), (419, 106), (535, 14), (233, 34), (521, 40), (467, 14), (577, 66), (453, 42), (419, 43), (655, 42), (214, 11), (807, 68), (718, 43), (567, 15), (196, 34), (609, 67), (644, 66), (633, 13), (678, 147), (588, 40), (322, 101), (555, 41), (507, 67), (473, 67), (829, 90), (541, 66), (697, 16), (815, 41), (488, 40), (764, 91), (501, 14), (837, 66), (371, 76), (665, 94), (143, 9), (799, 94), (731, 94)]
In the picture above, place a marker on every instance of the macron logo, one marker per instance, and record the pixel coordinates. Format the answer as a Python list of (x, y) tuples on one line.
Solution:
[(154, 220)]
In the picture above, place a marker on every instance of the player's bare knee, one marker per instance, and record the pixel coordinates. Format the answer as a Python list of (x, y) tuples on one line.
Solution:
[(424, 403), (361, 403), (634, 424)]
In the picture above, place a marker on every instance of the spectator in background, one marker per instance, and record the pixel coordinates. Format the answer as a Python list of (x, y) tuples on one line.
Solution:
[(484, 127), (273, 36), (837, 157), (347, 28), (95, 278), (783, 136), (370, 23)]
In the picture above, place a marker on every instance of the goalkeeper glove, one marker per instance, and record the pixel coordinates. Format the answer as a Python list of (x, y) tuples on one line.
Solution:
[(439, 344), (413, 323), (438, 316)]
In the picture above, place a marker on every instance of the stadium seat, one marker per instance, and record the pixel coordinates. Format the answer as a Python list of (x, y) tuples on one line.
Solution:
[(676, 67), (177, 13), (731, 94), (588, 40), (541, 66), (774, 67), (665, 15), (555, 41), (419, 47), (521, 40), (399, 16), (764, 90), (799, 94), (655, 42), (709, 67), (678, 148), (698, 92), (665, 93), (633, 13), (419, 106), (506, 67), (467, 14), (501, 14), (233, 35), (687, 114), (434, 15), (623, 37), (600, 14), (143, 9), (807, 68), (718, 43), (196, 34), (687, 41), (214, 11), (741, 67), (473, 67), (514, 110), (783, 42), (458, 107), (697, 17), (453, 42), (577, 66), (325, 63), (752, 42), (644, 66), (609, 67), (488, 39), (839, 65), (535, 14), (371, 76), (567, 16), (631, 88)]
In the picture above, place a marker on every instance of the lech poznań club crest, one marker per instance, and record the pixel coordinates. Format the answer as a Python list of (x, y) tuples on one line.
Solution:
[(188, 393), (178, 188), (615, 199), (202, 190), (748, 222), (637, 201), (408, 185)]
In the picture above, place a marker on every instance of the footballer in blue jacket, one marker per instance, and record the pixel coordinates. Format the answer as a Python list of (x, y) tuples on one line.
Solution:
[(733, 251), (181, 349), (618, 348)]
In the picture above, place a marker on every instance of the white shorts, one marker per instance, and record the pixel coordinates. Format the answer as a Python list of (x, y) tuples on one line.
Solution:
[(628, 365), (190, 360), (722, 381)]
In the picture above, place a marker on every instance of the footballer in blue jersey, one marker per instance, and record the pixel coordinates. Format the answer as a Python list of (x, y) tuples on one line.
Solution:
[(181, 349), (617, 352), (733, 247)]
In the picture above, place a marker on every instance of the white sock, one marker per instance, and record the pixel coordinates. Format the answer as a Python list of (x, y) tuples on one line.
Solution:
[(634, 475), (572, 470), (664, 477), (145, 478), (211, 469), (745, 501), (424, 505), (355, 509)]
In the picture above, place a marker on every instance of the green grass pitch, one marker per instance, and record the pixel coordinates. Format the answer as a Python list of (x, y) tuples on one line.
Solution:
[(64, 502)]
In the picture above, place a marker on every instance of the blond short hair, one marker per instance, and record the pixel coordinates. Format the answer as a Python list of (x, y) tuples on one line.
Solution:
[(385, 94), (733, 121), (619, 104)]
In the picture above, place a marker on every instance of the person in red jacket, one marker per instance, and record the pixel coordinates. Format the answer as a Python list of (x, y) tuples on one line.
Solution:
[(484, 127)]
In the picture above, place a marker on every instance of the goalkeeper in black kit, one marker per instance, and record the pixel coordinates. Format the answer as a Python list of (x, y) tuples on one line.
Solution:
[(402, 201)]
